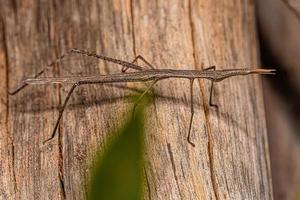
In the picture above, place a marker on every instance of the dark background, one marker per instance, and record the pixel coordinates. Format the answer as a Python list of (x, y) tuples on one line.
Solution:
[(278, 23)]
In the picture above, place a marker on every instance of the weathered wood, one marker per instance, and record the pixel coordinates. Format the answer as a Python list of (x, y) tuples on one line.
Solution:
[(230, 159)]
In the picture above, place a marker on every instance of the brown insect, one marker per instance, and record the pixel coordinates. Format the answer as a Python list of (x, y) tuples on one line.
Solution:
[(140, 75)]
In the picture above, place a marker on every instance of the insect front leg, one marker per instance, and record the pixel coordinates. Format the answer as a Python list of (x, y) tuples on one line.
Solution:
[(124, 68)]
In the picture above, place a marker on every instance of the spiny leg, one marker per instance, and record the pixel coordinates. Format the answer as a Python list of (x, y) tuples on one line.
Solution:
[(61, 112), (211, 88), (142, 95), (124, 68), (192, 113)]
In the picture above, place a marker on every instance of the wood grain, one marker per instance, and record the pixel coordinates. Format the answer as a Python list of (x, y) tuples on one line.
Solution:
[(230, 160)]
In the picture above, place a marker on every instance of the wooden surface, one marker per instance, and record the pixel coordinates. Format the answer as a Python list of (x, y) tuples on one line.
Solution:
[(230, 160)]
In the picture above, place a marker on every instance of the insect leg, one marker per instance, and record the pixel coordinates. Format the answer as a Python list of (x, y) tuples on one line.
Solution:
[(61, 111), (192, 113), (210, 95), (77, 51), (209, 68), (211, 87), (143, 94), (23, 85), (124, 68)]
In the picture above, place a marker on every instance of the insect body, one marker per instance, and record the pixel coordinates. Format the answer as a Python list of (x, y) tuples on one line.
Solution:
[(140, 75)]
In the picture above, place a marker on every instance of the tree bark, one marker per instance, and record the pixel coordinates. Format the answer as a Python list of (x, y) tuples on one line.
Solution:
[(231, 157)]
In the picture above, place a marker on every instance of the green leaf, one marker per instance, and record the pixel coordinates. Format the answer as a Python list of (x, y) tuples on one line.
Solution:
[(118, 173)]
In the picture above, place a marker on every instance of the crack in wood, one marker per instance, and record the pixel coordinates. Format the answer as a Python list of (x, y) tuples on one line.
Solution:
[(11, 138), (206, 112), (173, 167), (132, 27), (61, 167), (211, 160), (60, 147), (14, 6), (148, 184), (209, 144), (56, 70), (138, 26)]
